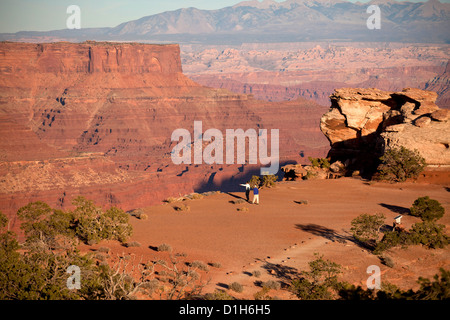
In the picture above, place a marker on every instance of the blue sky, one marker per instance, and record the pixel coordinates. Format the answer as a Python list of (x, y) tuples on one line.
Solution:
[(44, 15)]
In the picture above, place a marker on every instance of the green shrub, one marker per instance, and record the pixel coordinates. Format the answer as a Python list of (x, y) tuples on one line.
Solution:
[(268, 181), (351, 292), (93, 225), (320, 283), (262, 294), (392, 239), (427, 209), (439, 289), (305, 289), (323, 163), (100, 256), (115, 225), (218, 295), (255, 181), (199, 265), (164, 247), (429, 234), (215, 264), (236, 287), (387, 261), (150, 286), (40, 273), (366, 228), (399, 164), (132, 244), (270, 284), (104, 249), (256, 273), (3, 220), (40, 222), (8, 242)]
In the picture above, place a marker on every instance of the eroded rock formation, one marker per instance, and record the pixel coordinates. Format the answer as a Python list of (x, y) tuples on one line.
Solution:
[(362, 123)]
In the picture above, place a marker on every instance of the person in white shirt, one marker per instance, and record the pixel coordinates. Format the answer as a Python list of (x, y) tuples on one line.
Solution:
[(247, 190)]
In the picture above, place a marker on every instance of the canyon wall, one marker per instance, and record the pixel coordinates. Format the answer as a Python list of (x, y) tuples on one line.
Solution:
[(441, 85), (287, 71), (96, 119)]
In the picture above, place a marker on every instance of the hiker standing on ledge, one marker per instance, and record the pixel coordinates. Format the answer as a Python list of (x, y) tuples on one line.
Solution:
[(255, 195), (247, 190)]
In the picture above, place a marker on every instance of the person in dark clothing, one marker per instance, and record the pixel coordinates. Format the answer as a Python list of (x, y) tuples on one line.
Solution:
[(247, 190)]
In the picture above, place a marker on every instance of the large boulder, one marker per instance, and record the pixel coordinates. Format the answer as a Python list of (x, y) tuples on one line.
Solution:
[(293, 171), (362, 123), (432, 141)]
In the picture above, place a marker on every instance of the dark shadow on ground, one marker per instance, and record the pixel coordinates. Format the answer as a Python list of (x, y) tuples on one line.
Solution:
[(284, 274), (386, 228), (324, 232), (230, 185), (395, 209), (243, 174), (222, 285), (236, 196)]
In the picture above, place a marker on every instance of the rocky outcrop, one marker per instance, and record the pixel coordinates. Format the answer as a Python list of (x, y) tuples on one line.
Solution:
[(429, 134), (362, 123), (309, 172), (294, 171)]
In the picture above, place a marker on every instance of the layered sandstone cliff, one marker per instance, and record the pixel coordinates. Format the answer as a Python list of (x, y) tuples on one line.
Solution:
[(89, 57)]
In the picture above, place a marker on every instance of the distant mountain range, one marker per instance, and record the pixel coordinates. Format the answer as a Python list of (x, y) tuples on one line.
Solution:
[(270, 21)]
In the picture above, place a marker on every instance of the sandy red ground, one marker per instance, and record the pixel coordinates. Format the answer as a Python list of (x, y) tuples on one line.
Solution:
[(280, 236)]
